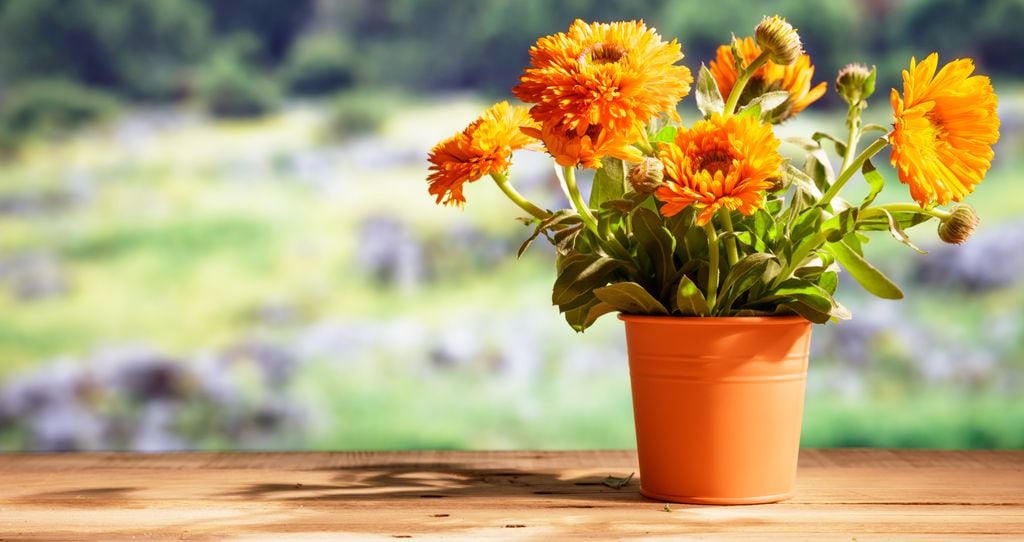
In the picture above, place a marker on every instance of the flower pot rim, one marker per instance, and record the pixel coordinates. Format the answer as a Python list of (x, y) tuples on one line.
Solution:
[(713, 320)]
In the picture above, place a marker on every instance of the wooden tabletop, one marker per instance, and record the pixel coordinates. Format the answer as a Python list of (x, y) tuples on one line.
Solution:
[(850, 494)]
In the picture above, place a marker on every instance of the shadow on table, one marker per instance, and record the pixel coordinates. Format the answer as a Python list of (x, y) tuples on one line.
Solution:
[(401, 481)]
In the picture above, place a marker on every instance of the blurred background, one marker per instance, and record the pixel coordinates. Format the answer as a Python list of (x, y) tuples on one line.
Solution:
[(215, 232)]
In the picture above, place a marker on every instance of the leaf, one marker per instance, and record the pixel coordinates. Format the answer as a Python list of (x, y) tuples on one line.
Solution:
[(557, 218), (898, 233), (666, 134), (609, 182), (750, 110), (875, 181), (630, 298), (803, 180), (657, 242), (565, 239), (617, 483), (745, 274), (689, 299), (875, 127), (839, 143), (863, 272), (808, 312), (767, 102), (581, 276), (709, 98), (596, 311)]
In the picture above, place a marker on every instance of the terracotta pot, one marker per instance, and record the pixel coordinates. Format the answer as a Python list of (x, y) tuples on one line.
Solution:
[(718, 404)]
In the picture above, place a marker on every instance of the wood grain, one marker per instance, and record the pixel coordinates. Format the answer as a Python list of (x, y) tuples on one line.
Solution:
[(842, 495)]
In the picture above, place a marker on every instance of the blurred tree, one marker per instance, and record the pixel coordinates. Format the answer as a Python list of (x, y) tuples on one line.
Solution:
[(141, 48), (277, 23)]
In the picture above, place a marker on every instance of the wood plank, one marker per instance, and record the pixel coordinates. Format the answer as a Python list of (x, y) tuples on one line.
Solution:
[(842, 495)]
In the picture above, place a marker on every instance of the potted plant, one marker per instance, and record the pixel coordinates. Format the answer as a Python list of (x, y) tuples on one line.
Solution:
[(716, 250)]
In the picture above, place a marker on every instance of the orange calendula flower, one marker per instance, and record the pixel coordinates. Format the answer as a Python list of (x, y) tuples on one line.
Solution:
[(616, 75), (571, 149), (483, 148), (945, 126), (720, 162), (794, 78)]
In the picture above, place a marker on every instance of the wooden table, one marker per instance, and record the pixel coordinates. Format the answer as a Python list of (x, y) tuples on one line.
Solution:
[(842, 495)]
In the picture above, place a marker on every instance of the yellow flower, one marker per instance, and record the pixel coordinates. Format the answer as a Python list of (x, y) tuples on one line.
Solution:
[(570, 149), (617, 76), (946, 125), (794, 78), (720, 162), (483, 148)]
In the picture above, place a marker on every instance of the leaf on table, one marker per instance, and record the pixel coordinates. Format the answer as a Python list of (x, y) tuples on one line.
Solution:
[(615, 482)]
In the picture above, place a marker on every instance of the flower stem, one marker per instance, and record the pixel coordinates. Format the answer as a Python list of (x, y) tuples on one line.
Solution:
[(569, 175), (905, 208), (502, 181), (853, 121), (730, 241), (741, 82), (645, 146), (847, 173), (712, 295)]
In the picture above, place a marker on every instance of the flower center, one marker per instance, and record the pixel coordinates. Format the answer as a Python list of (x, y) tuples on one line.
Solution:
[(937, 123), (603, 53), (715, 161)]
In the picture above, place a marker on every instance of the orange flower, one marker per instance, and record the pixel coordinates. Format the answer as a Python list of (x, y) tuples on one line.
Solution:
[(483, 148), (945, 127), (794, 78), (720, 162), (616, 75), (571, 149)]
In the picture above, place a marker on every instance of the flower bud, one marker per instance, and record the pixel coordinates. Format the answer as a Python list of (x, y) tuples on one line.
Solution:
[(855, 83), (647, 176), (960, 225), (779, 39)]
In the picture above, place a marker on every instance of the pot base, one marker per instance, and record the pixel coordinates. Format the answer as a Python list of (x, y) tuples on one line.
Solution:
[(686, 499)]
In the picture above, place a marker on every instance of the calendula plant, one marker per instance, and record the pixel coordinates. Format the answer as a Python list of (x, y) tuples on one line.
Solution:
[(710, 219)]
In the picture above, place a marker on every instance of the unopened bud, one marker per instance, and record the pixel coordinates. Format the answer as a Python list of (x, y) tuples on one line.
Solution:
[(855, 83), (779, 39), (960, 225), (647, 176)]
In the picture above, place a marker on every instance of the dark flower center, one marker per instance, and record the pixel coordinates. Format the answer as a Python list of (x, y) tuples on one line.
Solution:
[(603, 53), (715, 161)]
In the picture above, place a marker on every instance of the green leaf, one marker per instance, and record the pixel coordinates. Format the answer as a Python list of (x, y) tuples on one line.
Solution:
[(758, 267), (558, 218), (767, 102), (875, 181), (863, 272), (580, 277), (666, 134), (689, 299), (630, 298), (709, 99), (657, 242), (839, 143), (808, 312), (750, 110), (609, 182), (898, 233), (565, 239), (875, 127)]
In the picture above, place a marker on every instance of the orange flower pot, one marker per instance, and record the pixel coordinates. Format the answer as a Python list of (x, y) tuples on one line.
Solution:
[(718, 404)]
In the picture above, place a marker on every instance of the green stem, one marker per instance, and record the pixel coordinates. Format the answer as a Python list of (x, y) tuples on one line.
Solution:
[(645, 147), (904, 208), (847, 173), (730, 242), (741, 82), (502, 181), (853, 137), (712, 295), (569, 174)]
